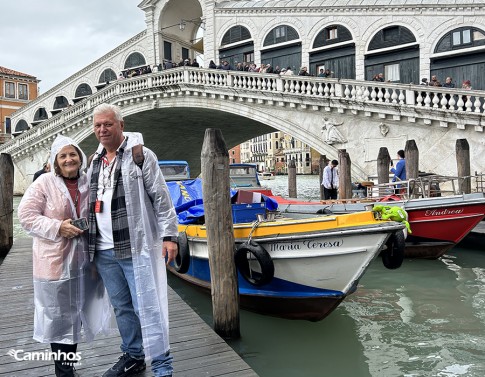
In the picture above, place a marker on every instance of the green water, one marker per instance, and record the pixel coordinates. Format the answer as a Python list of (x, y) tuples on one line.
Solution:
[(425, 319)]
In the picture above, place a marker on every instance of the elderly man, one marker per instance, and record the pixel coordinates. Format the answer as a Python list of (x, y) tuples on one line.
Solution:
[(132, 228)]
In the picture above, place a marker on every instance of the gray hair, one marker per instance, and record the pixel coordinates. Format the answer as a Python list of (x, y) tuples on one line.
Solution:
[(107, 108)]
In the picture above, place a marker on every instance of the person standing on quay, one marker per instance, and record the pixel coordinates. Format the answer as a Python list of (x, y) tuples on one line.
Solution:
[(68, 293), (400, 170), (330, 180), (46, 168), (132, 228)]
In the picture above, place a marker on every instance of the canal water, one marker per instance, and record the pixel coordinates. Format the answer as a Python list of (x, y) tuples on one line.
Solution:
[(425, 319)]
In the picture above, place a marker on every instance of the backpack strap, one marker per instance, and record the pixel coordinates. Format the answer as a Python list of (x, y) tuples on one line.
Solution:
[(137, 153), (90, 159)]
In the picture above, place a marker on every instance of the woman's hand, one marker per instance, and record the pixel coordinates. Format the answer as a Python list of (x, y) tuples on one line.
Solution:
[(68, 230)]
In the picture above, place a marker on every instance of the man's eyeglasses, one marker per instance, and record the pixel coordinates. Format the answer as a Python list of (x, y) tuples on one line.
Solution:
[(106, 125)]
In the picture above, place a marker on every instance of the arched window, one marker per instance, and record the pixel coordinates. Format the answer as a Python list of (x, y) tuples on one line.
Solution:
[(135, 60), (21, 126), (40, 114), (463, 37), (332, 34), (280, 34), (390, 37), (108, 75), (60, 103), (83, 90), (236, 34)]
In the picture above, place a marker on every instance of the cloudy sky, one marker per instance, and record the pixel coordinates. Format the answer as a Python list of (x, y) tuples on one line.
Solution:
[(53, 39)]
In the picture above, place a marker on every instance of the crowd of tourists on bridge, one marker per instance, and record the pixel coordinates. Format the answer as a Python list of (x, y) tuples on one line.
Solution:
[(466, 84), (268, 68), (243, 67)]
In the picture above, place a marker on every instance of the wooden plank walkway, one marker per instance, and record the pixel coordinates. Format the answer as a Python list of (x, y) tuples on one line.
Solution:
[(196, 348)]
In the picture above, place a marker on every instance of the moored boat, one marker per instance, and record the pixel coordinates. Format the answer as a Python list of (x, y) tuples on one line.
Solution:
[(292, 268), (266, 176), (439, 219), (245, 176)]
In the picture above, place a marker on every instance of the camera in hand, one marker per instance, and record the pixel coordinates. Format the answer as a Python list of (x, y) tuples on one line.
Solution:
[(81, 223)]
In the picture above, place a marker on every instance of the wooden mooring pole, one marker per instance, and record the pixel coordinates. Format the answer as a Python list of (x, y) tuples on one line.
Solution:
[(292, 193), (220, 236), (383, 167), (6, 204), (463, 166), (345, 180), (411, 153)]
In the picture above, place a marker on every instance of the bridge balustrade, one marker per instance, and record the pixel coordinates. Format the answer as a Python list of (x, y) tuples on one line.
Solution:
[(180, 79)]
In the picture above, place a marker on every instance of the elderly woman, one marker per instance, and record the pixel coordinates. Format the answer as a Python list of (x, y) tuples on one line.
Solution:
[(68, 293)]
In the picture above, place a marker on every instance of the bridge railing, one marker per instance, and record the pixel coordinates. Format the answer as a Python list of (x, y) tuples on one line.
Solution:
[(441, 100), (362, 91)]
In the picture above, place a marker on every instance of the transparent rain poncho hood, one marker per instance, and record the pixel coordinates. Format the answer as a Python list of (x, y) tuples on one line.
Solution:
[(69, 297), (59, 143)]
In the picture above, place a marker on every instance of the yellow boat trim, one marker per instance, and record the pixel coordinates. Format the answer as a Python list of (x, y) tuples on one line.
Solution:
[(286, 226)]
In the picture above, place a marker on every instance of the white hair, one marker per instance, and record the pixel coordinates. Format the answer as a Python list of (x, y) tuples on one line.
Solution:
[(107, 108)]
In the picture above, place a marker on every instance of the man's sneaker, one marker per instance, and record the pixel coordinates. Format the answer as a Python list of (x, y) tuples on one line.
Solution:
[(125, 366)]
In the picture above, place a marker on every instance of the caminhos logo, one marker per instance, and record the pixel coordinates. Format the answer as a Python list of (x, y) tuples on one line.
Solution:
[(46, 355)]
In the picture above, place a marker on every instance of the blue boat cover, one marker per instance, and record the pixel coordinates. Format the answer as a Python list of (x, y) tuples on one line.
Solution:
[(188, 202)]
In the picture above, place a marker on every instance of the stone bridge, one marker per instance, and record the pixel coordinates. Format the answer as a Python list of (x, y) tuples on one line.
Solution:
[(173, 108)]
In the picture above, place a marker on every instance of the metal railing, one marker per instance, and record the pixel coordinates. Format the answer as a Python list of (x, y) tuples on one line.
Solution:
[(429, 186), (479, 179)]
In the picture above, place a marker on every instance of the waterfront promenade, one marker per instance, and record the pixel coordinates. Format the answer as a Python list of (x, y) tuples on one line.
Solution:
[(197, 349)]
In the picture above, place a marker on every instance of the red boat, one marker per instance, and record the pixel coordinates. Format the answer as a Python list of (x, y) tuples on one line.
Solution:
[(438, 218)]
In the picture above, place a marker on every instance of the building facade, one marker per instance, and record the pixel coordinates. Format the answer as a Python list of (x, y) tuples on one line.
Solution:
[(271, 152), (16, 90), (235, 155), (405, 41)]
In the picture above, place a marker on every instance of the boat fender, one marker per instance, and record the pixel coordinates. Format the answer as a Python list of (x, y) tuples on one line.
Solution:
[(182, 260), (257, 253), (393, 256)]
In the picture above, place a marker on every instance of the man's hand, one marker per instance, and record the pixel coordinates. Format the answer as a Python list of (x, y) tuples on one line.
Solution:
[(171, 249)]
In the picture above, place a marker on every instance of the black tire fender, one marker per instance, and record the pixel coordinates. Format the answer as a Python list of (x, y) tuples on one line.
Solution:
[(393, 256), (181, 263), (256, 253)]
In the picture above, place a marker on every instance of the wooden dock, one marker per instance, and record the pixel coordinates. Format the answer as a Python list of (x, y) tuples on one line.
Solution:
[(196, 348)]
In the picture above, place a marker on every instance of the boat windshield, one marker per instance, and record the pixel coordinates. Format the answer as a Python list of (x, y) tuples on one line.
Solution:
[(243, 176), (174, 171)]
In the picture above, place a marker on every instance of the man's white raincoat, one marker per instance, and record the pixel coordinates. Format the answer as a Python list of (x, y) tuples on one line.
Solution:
[(151, 216), (69, 297)]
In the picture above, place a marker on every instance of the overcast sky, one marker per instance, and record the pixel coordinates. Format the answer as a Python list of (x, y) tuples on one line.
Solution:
[(53, 39)]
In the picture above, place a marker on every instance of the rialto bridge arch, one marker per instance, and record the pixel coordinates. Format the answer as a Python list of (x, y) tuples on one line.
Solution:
[(173, 108)]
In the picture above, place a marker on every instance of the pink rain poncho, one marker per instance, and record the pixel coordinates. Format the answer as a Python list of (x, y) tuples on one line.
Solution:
[(70, 300)]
